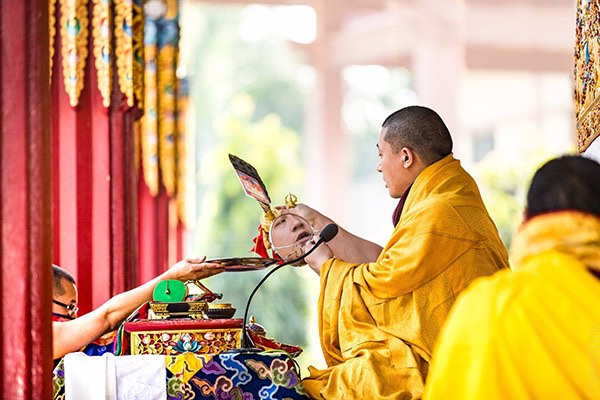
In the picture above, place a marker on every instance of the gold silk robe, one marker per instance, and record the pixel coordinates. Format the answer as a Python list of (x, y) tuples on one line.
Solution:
[(531, 333), (378, 322)]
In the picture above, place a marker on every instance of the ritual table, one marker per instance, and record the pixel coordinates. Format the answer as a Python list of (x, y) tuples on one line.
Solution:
[(172, 337)]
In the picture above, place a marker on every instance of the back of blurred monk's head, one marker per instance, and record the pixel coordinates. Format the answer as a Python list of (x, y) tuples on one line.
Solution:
[(565, 183)]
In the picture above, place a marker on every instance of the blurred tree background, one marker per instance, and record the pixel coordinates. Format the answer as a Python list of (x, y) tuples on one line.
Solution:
[(504, 181), (247, 102)]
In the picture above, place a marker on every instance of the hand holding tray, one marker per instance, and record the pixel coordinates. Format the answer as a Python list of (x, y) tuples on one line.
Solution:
[(244, 263)]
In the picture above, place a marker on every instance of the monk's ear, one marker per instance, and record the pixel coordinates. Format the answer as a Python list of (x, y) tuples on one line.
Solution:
[(407, 157)]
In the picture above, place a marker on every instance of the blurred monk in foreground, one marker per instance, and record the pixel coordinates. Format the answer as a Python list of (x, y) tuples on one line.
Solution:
[(533, 333)]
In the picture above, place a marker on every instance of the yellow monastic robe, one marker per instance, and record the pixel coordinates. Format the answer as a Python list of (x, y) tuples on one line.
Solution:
[(533, 333), (379, 321)]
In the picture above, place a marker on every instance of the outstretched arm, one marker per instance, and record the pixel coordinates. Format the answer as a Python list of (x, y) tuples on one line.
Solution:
[(70, 336), (344, 245)]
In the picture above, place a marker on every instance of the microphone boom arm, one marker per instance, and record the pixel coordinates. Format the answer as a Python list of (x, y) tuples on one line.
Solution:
[(247, 341), (326, 235)]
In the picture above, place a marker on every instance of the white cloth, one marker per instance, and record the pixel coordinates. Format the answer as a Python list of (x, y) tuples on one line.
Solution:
[(89, 378), (141, 377), (108, 377)]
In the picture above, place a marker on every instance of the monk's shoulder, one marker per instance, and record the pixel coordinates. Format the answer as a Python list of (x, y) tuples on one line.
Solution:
[(430, 206)]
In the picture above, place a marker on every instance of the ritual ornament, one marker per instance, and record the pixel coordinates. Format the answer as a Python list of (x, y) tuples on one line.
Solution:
[(254, 187), (169, 290)]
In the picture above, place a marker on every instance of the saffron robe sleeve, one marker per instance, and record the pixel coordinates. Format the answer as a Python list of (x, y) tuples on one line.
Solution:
[(379, 321)]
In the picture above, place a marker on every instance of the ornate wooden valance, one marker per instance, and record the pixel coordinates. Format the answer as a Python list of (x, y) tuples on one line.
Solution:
[(127, 29), (182, 107), (586, 73), (74, 45), (168, 54), (136, 56), (129, 35), (149, 122), (102, 37)]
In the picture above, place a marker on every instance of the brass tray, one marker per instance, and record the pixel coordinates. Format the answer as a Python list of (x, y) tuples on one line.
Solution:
[(179, 307), (220, 311), (244, 263)]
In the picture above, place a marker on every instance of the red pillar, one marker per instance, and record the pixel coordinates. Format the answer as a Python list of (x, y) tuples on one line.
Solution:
[(123, 197), (100, 196), (162, 229), (159, 238), (82, 178), (25, 190), (172, 233), (181, 236), (147, 228), (64, 135), (95, 200)]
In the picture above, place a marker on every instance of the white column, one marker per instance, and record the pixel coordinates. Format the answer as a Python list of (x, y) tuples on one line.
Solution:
[(327, 145), (438, 62)]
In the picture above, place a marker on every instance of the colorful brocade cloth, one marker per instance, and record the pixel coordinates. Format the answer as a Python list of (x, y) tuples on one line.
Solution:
[(265, 375), (533, 333)]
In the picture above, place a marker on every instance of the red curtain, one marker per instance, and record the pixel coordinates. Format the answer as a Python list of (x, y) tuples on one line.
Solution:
[(25, 189)]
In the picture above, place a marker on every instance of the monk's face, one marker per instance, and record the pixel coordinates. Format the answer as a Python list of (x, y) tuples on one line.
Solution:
[(395, 167)]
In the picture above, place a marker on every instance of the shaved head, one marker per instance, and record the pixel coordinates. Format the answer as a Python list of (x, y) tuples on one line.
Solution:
[(58, 275), (421, 130)]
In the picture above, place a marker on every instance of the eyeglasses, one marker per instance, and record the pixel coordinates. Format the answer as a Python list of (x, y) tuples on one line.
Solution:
[(71, 308)]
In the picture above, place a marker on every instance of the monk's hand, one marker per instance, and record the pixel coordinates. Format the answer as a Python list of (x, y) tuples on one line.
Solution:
[(300, 209), (193, 268), (318, 257), (315, 219)]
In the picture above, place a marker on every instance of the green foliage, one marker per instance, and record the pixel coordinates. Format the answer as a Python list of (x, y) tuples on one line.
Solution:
[(504, 182), (229, 219), (246, 104), (222, 64)]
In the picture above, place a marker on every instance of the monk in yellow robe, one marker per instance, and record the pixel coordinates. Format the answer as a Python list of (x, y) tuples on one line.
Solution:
[(533, 333), (380, 310)]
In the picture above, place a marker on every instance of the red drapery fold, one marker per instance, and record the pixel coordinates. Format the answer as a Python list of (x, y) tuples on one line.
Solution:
[(25, 190)]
